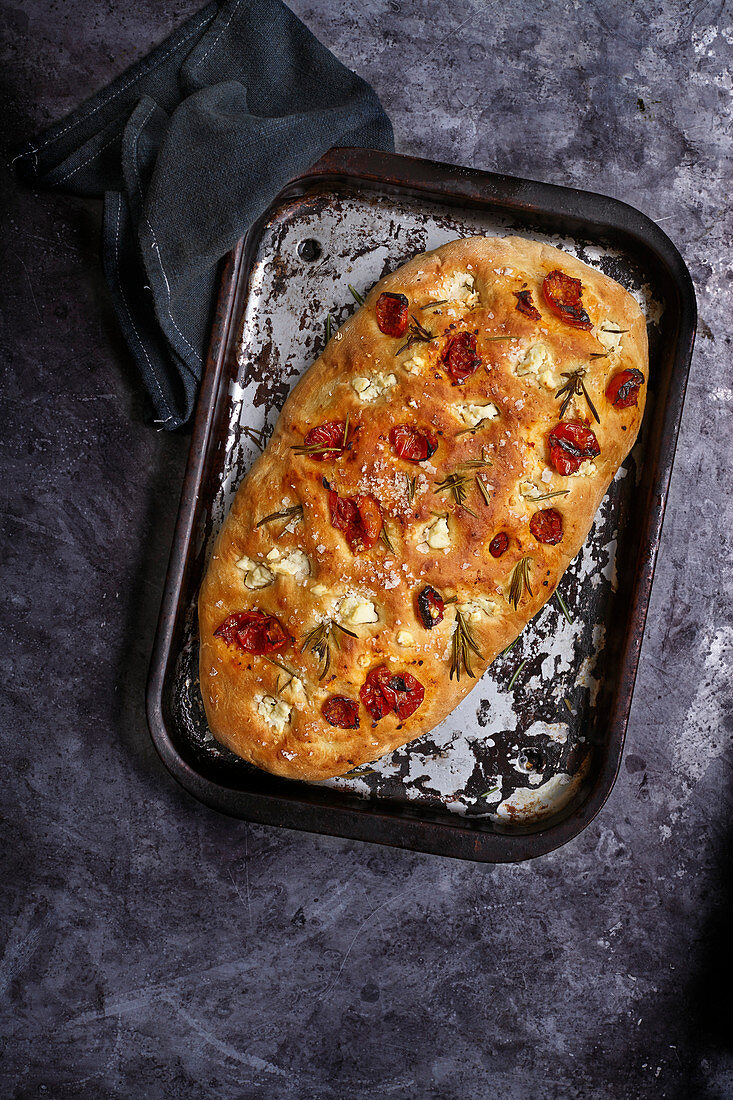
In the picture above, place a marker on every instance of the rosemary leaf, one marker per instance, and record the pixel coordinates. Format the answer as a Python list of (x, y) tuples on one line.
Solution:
[(549, 496), (432, 305), (328, 327), (514, 677), (356, 294), (568, 704), (461, 646), (510, 647), (564, 607), (411, 482), (519, 582), (488, 794), (297, 509), (384, 536), (483, 490), (256, 435)]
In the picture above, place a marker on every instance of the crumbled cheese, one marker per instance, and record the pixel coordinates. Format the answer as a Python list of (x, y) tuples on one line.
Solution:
[(416, 362), (458, 287), (476, 608), (275, 712), (528, 490), (357, 610), (473, 415), (586, 469), (404, 637), (294, 693), (293, 564), (369, 389), (319, 590), (438, 535), (255, 574), (611, 340), (538, 361)]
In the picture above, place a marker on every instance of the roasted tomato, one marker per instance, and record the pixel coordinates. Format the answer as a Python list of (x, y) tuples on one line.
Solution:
[(459, 358), (430, 607), (571, 442), (562, 294), (499, 544), (254, 632), (546, 526), (526, 306), (393, 314), (326, 440), (412, 444), (359, 518), (383, 692), (623, 389), (342, 712)]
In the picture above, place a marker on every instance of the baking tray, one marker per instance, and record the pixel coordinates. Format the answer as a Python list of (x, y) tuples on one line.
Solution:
[(520, 767)]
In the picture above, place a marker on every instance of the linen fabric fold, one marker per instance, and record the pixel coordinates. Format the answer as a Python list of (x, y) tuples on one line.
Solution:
[(187, 149)]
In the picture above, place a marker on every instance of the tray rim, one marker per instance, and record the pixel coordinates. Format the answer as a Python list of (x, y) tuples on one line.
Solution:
[(458, 838)]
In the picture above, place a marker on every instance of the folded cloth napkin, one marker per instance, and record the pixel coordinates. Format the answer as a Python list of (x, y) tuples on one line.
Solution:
[(187, 149)]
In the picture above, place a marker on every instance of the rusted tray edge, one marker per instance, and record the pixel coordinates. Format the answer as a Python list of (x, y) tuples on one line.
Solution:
[(367, 822)]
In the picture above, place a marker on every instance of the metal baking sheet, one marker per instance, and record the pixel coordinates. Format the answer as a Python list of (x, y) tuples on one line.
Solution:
[(533, 743)]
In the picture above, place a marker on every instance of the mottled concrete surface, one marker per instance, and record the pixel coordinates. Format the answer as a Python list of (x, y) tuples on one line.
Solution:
[(153, 948)]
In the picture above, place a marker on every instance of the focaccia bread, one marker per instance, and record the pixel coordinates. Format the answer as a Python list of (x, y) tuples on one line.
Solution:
[(427, 483)]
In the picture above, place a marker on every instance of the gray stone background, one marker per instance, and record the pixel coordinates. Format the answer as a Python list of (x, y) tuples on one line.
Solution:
[(151, 948)]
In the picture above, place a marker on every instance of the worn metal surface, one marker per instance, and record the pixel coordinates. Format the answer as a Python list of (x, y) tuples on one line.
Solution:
[(518, 750)]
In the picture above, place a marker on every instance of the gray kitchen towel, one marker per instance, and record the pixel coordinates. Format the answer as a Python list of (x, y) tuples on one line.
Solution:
[(188, 148)]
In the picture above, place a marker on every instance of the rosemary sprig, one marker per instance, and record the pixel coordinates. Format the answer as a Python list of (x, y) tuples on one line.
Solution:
[(297, 509), (257, 435), (519, 582), (462, 645), (432, 305), (418, 334), (575, 387), (457, 485), (549, 496), (514, 677), (564, 607), (357, 296), (384, 536), (318, 640), (483, 490)]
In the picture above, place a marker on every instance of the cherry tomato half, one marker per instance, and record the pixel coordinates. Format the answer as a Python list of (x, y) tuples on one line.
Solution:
[(459, 358), (526, 306), (623, 389), (563, 296), (412, 444), (360, 519), (329, 438), (430, 607), (383, 692), (499, 544), (571, 442), (546, 526), (341, 711), (393, 314), (254, 632)]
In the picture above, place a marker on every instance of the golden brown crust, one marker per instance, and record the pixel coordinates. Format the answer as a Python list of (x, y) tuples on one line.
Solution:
[(521, 383)]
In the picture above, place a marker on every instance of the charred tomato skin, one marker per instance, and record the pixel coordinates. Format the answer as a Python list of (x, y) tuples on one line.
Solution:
[(547, 526), (383, 692), (623, 389), (392, 313), (460, 357), (253, 632), (570, 443), (341, 711), (412, 444), (332, 435), (562, 295), (526, 306), (430, 607), (499, 544)]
